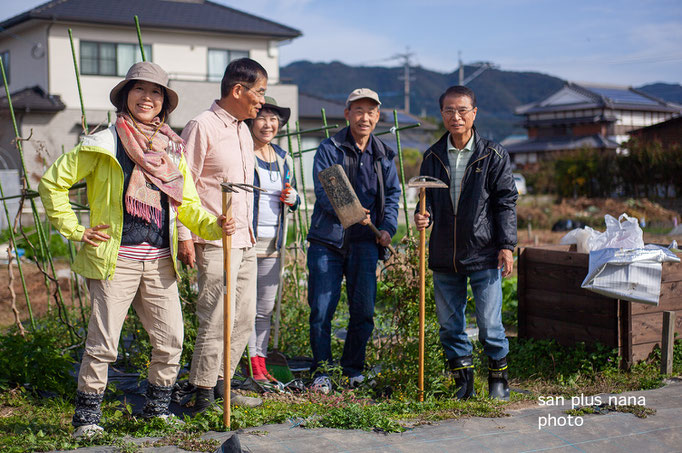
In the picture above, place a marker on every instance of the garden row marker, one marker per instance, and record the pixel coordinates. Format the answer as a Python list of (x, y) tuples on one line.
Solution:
[(422, 182)]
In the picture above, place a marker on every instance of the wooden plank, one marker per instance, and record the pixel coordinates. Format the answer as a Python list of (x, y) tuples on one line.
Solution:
[(642, 351), (670, 300), (672, 272), (559, 278), (560, 257), (667, 342), (591, 310), (625, 333), (521, 291), (569, 333), (647, 327)]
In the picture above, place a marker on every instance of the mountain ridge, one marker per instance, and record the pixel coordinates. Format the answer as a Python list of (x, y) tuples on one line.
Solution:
[(498, 92)]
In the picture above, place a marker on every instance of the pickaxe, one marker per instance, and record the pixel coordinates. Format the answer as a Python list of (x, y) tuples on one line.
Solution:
[(423, 182), (228, 188)]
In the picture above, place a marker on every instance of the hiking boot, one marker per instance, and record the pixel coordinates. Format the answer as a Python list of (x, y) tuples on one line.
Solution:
[(87, 411), (498, 385), (244, 401), (463, 370), (322, 384), (203, 399), (157, 401), (87, 431)]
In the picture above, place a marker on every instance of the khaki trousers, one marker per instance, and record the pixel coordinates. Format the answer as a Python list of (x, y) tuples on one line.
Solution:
[(151, 288), (207, 360)]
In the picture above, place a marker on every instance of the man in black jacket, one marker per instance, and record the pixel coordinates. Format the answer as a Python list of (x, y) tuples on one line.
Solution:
[(473, 237)]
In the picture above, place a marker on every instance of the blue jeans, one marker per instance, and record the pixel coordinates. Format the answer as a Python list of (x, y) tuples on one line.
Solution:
[(326, 270), (451, 300)]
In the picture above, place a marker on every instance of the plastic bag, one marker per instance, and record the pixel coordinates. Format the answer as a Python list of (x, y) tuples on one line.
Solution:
[(621, 233), (633, 275)]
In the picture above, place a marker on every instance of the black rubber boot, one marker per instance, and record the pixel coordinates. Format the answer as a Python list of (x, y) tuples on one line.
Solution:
[(158, 399), (219, 390), (498, 385), (463, 370), (203, 399), (88, 410)]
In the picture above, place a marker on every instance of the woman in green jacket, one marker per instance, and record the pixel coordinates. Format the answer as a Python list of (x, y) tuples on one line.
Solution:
[(138, 185)]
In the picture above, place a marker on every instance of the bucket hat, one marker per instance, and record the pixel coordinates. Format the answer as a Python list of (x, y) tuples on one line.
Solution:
[(148, 72), (284, 112)]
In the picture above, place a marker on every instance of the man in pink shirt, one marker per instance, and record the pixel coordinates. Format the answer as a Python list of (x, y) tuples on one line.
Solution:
[(220, 148)]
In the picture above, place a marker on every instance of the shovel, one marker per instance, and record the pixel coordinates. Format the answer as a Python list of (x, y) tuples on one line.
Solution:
[(344, 200), (422, 183)]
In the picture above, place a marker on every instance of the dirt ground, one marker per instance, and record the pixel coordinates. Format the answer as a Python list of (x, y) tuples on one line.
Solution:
[(38, 294)]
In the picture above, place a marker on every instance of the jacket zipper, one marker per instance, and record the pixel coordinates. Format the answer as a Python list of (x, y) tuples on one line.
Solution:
[(461, 186)]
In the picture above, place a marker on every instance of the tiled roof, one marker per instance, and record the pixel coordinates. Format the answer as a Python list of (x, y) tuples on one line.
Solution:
[(596, 141), (201, 15), (309, 106), (33, 99), (589, 96)]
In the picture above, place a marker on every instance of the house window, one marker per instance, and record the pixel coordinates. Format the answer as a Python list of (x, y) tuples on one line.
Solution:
[(5, 62), (218, 59), (107, 58)]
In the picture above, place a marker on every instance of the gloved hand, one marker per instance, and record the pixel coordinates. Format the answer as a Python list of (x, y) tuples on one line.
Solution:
[(289, 195)]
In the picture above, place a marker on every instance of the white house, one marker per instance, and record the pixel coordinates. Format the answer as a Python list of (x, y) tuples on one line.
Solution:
[(193, 40)]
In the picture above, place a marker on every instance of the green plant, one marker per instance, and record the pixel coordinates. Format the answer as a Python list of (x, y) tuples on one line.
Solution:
[(37, 360)]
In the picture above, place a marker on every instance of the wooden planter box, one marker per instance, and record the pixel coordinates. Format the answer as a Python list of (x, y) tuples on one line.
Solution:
[(553, 305)]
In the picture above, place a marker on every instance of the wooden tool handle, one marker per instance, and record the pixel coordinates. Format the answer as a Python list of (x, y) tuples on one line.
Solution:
[(377, 233), (227, 312), (422, 293)]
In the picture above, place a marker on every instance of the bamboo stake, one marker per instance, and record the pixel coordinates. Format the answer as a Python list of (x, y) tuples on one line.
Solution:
[(402, 170), (12, 238), (84, 121), (139, 38), (298, 234), (302, 179)]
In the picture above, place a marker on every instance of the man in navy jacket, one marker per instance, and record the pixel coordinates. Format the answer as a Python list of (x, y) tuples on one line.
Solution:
[(473, 237), (353, 253)]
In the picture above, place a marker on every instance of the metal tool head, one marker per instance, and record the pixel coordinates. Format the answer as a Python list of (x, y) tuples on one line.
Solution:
[(428, 182), (236, 186)]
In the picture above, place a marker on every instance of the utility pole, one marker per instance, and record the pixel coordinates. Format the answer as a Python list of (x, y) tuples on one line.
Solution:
[(461, 68), (406, 76)]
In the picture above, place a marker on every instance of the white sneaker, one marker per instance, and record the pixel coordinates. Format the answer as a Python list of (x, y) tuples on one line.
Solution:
[(88, 431), (322, 384), (359, 380)]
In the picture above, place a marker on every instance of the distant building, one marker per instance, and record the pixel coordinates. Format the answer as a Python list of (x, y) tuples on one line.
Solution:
[(193, 40), (586, 116), (668, 133)]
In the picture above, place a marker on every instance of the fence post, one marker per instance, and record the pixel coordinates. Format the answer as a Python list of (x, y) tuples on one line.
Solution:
[(667, 342)]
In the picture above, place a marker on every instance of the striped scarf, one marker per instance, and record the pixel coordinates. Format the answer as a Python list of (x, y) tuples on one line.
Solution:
[(149, 146)]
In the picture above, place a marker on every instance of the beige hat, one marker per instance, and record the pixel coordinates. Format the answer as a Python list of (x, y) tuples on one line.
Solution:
[(362, 93), (149, 72)]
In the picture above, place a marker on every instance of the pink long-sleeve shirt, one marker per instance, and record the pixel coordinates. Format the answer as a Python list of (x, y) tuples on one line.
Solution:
[(220, 148)]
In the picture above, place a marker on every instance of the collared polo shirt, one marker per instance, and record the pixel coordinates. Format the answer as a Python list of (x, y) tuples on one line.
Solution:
[(459, 159), (220, 148)]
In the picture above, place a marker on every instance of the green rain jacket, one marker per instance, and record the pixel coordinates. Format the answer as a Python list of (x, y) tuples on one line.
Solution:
[(95, 160)]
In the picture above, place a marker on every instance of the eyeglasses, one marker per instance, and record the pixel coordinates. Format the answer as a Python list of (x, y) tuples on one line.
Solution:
[(260, 93), (451, 112)]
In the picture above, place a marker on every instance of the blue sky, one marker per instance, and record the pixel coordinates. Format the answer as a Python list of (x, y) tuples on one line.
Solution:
[(622, 42)]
